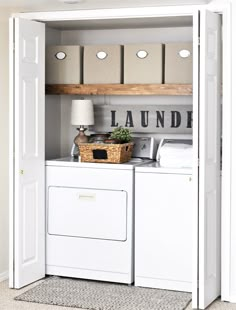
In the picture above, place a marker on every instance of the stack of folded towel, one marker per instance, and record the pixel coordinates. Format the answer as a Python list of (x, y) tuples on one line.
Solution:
[(176, 155)]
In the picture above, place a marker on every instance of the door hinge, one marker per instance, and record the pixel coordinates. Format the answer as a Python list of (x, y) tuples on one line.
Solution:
[(198, 41), (198, 162)]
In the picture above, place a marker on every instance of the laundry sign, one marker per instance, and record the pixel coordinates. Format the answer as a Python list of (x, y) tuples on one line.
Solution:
[(145, 118)]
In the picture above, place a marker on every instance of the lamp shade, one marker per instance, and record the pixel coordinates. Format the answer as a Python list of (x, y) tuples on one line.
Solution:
[(82, 112)]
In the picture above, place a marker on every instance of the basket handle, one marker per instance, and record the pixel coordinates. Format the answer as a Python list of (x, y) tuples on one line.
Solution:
[(128, 147)]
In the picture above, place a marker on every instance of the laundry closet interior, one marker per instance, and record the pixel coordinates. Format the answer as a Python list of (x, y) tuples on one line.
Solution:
[(116, 32), (107, 252)]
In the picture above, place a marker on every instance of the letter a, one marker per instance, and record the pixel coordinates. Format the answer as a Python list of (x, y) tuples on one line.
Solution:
[(129, 120)]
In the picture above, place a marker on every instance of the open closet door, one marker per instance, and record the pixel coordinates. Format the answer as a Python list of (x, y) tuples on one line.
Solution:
[(28, 173), (195, 220), (209, 158)]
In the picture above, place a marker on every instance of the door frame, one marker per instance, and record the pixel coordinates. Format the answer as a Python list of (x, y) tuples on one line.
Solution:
[(217, 6), (11, 150), (227, 173)]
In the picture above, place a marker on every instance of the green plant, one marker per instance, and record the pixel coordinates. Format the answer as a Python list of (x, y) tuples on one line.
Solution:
[(122, 134)]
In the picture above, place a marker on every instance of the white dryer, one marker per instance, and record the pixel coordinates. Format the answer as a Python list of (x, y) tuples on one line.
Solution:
[(90, 220)]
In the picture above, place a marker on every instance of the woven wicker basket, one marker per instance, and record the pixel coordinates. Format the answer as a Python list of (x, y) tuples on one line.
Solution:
[(105, 153)]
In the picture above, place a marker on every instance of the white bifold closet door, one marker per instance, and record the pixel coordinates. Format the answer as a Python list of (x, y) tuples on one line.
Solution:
[(28, 173), (206, 169), (209, 157)]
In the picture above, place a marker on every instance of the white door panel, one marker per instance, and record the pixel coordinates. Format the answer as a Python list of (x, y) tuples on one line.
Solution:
[(29, 170), (209, 159)]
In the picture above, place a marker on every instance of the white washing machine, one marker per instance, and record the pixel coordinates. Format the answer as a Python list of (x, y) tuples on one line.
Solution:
[(163, 225), (90, 219)]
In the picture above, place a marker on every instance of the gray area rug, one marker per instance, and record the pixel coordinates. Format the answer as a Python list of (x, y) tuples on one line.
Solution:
[(95, 295)]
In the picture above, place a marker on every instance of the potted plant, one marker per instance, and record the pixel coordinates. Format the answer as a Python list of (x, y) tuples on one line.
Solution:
[(123, 135)]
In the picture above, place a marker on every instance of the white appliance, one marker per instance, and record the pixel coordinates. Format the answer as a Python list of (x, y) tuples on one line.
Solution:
[(164, 206), (175, 153), (163, 227), (90, 219)]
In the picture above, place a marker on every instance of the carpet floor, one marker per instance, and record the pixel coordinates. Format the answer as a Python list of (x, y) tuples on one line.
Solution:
[(7, 301), (95, 295)]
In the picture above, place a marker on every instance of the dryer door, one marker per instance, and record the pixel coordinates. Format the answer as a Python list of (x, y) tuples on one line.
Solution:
[(87, 213)]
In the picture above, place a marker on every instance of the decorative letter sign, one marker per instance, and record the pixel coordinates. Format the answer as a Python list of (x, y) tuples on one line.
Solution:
[(143, 118)]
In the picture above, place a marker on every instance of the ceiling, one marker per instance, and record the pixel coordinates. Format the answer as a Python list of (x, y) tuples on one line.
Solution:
[(182, 21), (48, 5)]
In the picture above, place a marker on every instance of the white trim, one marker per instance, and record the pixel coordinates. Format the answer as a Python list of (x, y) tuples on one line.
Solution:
[(232, 292), (3, 276), (195, 269), (121, 13), (11, 153), (218, 6), (226, 156), (232, 299)]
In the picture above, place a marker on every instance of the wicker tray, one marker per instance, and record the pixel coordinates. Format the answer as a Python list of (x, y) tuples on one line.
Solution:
[(105, 153)]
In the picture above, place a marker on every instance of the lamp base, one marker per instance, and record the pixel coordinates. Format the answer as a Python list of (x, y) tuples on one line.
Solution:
[(81, 137)]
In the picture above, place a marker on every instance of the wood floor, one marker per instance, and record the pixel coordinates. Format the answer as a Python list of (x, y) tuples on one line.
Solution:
[(7, 301)]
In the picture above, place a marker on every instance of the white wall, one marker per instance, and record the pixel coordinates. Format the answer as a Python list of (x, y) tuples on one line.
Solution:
[(52, 109), (228, 241), (233, 164), (4, 104)]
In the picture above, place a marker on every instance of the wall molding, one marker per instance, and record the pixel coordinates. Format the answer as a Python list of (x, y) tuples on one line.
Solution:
[(4, 276)]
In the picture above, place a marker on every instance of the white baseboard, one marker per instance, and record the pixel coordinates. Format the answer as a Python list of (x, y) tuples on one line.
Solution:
[(232, 299), (4, 276)]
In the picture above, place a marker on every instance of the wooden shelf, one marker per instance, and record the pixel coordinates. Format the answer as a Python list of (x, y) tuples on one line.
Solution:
[(120, 89)]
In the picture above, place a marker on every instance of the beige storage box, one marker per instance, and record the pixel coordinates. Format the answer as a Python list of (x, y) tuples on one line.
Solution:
[(102, 64), (63, 64), (178, 63), (143, 64)]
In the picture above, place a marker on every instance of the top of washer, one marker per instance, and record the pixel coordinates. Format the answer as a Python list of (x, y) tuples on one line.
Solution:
[(155, 167)]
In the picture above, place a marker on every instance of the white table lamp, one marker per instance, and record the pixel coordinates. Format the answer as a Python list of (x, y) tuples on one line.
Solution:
[(82, 115)]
